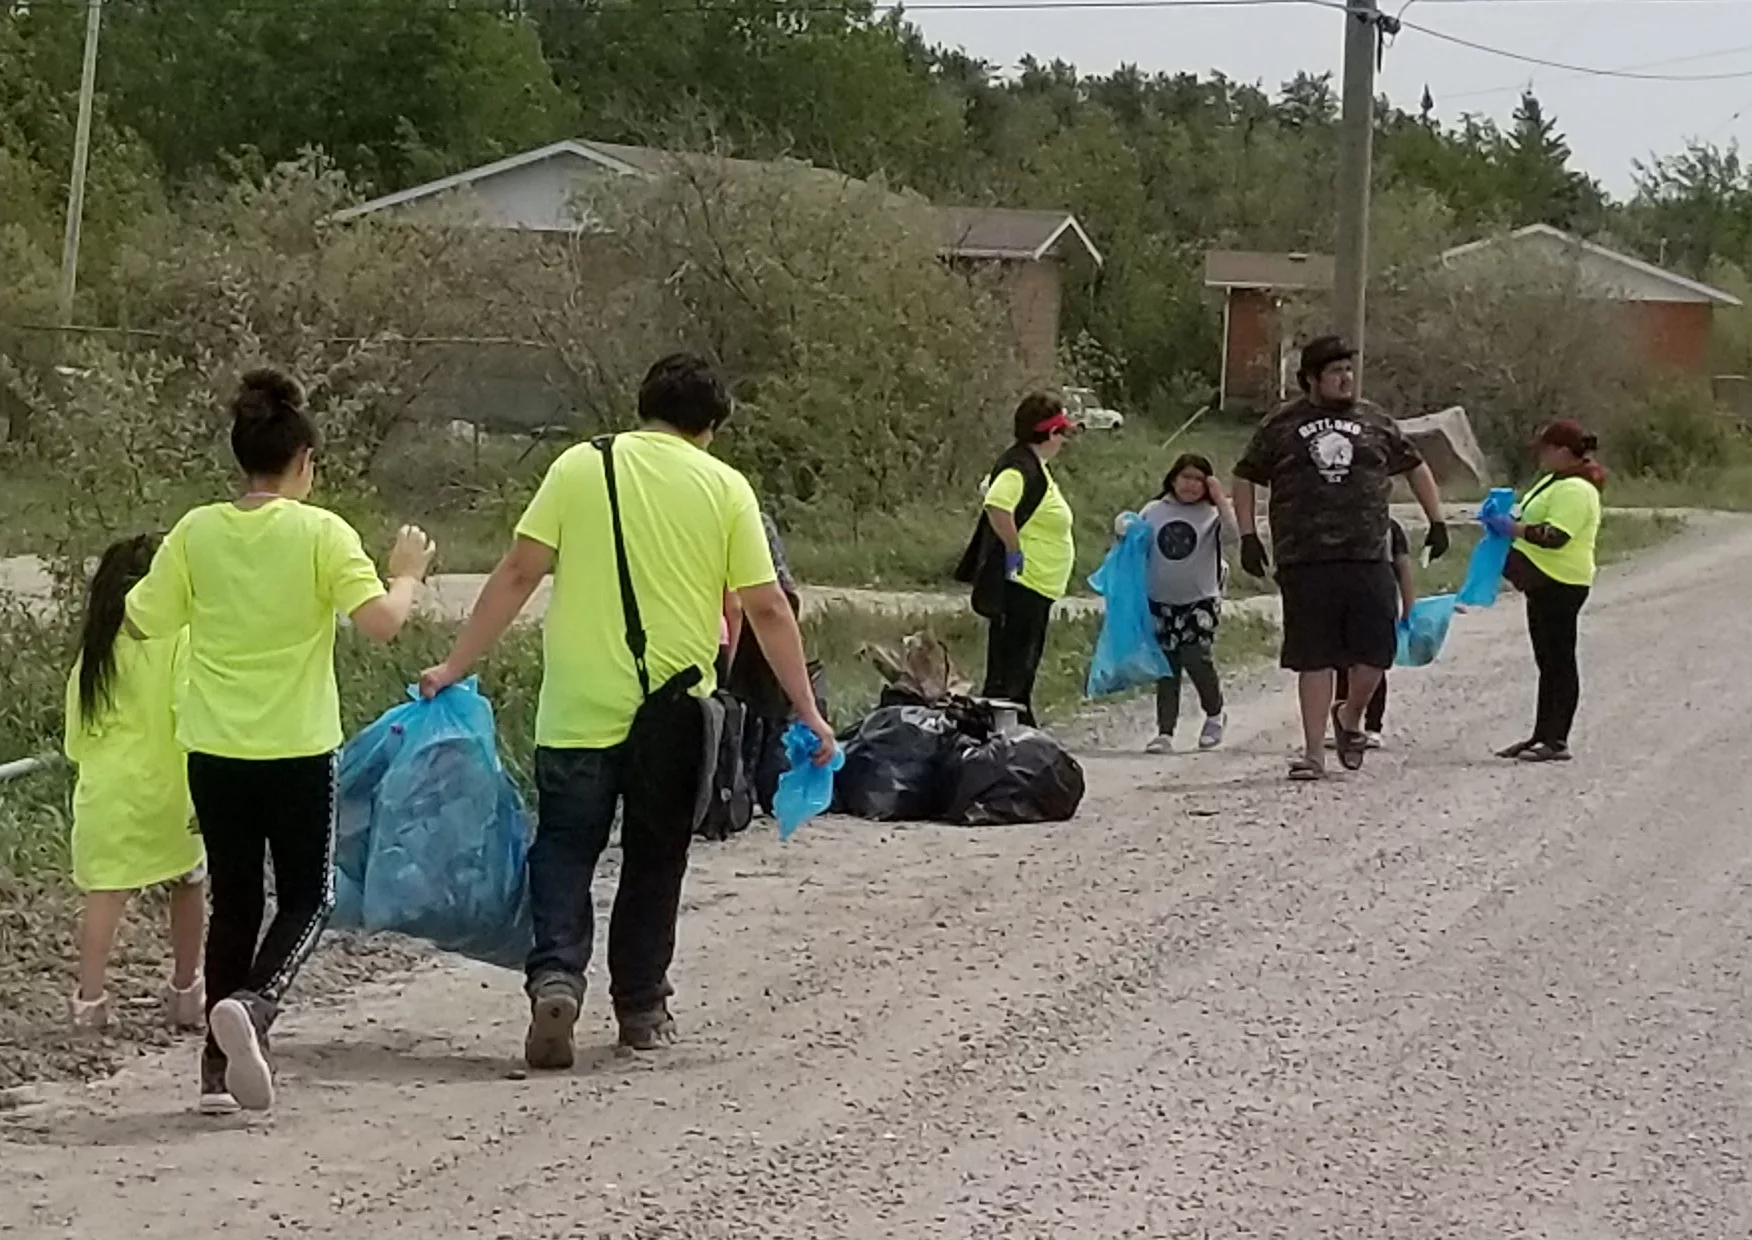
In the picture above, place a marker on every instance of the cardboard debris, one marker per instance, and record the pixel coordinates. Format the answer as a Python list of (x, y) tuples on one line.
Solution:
[(1448, 444)]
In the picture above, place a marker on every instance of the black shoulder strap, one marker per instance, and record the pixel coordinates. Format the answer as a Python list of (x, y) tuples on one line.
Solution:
[(629, 600)]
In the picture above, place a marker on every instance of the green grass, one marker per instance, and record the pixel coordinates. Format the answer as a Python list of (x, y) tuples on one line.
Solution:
[(1102, 474)]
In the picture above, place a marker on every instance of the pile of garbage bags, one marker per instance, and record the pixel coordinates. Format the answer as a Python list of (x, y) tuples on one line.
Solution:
[(432, 834), (947, 762)]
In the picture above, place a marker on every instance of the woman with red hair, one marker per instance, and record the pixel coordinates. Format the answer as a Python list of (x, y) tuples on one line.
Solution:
[(1555, 527)]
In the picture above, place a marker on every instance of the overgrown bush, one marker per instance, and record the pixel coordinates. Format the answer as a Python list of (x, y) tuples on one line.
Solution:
[(1668, 430), (1515, 341)]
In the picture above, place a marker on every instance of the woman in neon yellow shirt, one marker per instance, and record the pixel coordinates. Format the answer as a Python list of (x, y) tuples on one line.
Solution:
[(258, 582), (1555, 527), (1022, 554), (132, 819)]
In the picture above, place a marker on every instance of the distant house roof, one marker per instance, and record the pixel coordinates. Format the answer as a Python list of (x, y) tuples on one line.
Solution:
[(1249, 269), (1613, 276), (541, 202), (1004, 233)]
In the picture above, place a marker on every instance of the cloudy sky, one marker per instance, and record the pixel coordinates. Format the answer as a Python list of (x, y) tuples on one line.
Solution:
[(1610, 122)]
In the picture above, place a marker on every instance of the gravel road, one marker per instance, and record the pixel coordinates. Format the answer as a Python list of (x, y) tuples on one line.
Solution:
[(1445, 998)]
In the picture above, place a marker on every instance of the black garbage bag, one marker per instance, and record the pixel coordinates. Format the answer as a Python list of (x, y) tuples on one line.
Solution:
[(898, 766), (1017, 777)]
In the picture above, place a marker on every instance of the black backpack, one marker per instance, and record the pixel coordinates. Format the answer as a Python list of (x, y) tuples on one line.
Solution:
[(731, 805), (982, 564)]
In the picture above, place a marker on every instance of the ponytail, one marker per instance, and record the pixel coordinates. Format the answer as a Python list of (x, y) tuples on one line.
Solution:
[(106, 602)]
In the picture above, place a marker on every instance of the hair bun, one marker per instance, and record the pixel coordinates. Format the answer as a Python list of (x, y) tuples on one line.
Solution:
[(266, 393)]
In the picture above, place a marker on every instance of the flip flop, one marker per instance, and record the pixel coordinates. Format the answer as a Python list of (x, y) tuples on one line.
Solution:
[(1516, 750), (1306, 771), (1544, 751)]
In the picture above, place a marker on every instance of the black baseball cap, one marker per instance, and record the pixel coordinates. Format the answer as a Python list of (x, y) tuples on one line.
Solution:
[(1321, 352)]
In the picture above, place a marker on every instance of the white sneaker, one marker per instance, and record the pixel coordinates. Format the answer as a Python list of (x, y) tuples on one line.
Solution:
[(88, 1015), (1371, 740), (186, 1010), (1212, 733), (1162, 744)]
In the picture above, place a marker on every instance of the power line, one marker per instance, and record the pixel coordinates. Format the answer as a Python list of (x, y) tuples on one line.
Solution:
[(1647, 64), (1583, 70)]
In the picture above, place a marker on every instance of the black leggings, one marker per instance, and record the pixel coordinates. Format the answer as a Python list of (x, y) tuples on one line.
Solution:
[(251, 811), (1552, 614), (1015, 643)]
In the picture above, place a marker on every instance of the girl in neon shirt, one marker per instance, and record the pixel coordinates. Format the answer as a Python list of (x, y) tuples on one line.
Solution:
[(132, 818), (258, 582)]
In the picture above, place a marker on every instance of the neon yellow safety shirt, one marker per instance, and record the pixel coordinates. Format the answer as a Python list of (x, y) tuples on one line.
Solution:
[(1049, 546), (1573, 506)]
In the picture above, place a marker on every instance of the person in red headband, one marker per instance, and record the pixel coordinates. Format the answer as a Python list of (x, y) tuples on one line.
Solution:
[(1555, 527), (1020, 559)]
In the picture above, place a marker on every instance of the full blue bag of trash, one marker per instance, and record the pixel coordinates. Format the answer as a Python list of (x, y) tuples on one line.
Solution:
[(805, 789), (448, 835), (1421, 635), (363, 763), (1127, 654), (1484, 572)]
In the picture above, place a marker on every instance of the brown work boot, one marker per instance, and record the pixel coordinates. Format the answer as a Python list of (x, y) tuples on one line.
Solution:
[(554, 1004), (647, 1030)]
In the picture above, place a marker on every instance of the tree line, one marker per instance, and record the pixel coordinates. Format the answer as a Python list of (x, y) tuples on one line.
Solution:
[(1160, 167)]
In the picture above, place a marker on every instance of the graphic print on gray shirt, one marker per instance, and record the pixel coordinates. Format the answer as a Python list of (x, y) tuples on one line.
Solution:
[(1186, 560)]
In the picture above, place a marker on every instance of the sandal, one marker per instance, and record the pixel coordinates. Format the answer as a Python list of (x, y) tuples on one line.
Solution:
[(1306, 771), (1516, 750), (1351, 746), (1544, 751)]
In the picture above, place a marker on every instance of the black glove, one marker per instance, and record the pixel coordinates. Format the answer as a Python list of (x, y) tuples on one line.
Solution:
[(1254, 561), (1437, 541)]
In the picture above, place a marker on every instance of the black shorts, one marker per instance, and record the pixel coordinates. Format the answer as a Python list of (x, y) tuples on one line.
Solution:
[(1339, 615)]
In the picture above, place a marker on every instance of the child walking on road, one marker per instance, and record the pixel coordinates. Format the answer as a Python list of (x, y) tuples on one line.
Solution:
[(132, 818), (1187, 576), (258, 582), (1375, 714)]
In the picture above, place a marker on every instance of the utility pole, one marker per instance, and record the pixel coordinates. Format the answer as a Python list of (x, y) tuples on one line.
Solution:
[(1356, 142), (81, 158)]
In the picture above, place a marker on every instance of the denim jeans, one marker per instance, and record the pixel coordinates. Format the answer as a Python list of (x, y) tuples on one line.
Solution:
[(577, 791)]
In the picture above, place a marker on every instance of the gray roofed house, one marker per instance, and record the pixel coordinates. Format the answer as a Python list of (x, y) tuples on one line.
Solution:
[(537, 190)]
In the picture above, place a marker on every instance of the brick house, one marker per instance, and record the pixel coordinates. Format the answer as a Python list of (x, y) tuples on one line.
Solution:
[(538, 191), (1667, 317), (1256, 370)]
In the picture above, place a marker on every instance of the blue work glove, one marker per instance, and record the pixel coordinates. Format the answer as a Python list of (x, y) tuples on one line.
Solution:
[(1012, 565), (1500, 523)]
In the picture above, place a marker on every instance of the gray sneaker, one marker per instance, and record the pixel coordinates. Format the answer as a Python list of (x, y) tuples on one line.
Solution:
[(239, 1026), (1211, 735), (554, 1004), (648, 1030)]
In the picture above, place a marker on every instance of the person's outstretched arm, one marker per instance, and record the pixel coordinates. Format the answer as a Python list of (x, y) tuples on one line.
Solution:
[(501, 600), (768, 612)]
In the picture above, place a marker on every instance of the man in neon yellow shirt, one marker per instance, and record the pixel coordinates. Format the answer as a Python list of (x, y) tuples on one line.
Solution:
[(692, 531)]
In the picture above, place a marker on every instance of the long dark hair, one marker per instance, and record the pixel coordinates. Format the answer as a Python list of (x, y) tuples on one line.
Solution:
[(1186, 461), (122, 565)]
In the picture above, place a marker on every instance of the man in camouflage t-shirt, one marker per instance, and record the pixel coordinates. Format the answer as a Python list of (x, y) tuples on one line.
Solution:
[(1329, 460)]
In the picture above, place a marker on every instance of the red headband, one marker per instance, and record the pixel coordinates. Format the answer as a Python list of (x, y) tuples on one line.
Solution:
[(1059, 421)]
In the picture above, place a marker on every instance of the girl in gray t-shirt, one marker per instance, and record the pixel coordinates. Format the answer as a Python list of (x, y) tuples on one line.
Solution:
[(1188, 522)]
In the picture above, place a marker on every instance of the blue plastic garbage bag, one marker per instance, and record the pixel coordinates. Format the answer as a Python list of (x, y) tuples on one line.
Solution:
[(445, 835), (1421, 636), (805, 790), (1127, 654), (1484, 572)]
